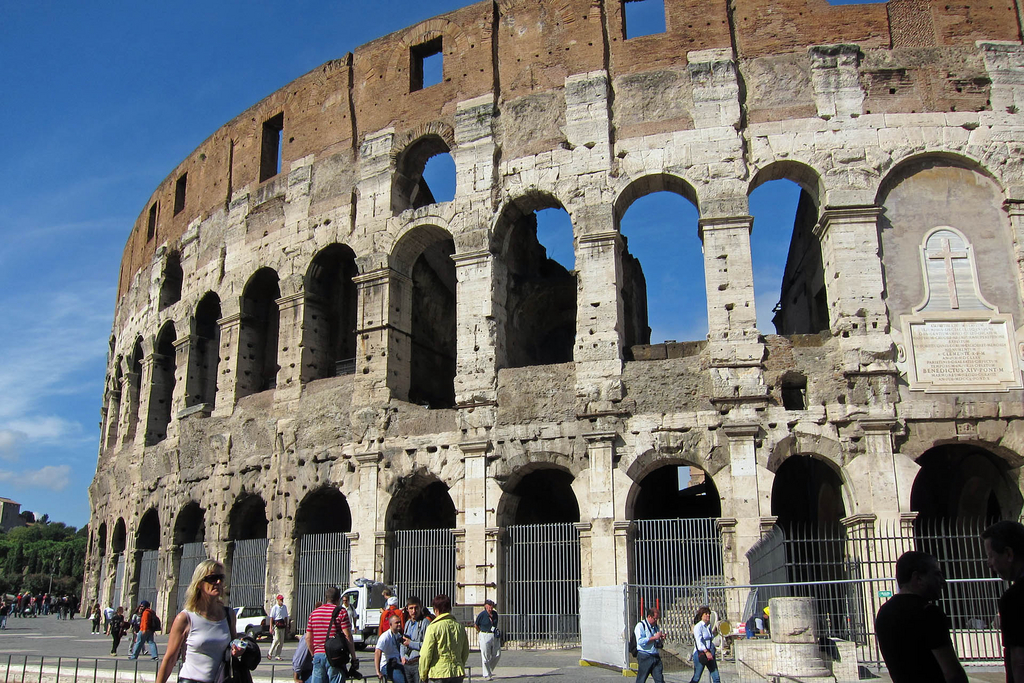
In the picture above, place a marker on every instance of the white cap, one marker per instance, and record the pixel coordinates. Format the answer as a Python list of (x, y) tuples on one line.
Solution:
[(392, 601)]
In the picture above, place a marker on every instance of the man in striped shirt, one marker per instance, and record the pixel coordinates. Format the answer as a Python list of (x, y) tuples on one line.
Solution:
[(318, 627)]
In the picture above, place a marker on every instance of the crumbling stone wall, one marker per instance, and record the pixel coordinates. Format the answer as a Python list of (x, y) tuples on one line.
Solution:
[(548, 104)]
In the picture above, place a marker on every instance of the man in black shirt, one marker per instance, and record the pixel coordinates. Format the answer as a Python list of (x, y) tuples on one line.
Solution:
[(1004, 549), (912, 631)]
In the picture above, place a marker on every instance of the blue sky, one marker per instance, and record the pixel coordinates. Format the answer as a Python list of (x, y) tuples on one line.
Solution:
[(101, 100)]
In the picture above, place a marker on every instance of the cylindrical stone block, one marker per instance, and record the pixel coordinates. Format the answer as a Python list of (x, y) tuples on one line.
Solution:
[(793, 620)]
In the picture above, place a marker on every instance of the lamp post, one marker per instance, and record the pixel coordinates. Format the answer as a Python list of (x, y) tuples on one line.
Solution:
[(52, 569)]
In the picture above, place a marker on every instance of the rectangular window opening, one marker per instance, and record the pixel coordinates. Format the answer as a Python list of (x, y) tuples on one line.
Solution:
[(179, 193), (426, 66), (270, 152), (643, 18), (151, 226)]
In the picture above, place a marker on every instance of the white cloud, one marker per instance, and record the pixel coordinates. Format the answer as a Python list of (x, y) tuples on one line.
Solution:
[(10, 444), (51, 477)]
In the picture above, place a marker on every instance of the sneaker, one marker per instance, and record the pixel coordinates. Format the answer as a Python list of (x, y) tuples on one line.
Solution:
[(154, 658)]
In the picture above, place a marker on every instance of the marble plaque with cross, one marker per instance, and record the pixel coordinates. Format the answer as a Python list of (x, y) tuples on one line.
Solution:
[(955, 341)]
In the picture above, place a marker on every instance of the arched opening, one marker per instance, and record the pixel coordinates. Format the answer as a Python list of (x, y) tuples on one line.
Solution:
[(134, 389), (101, 540), (118, 542), (420, 520), (959, 491), (100, 564), (663, 291), (147, 557), (171, 280), (789, 276), (331, 305), (322, 521), (425, 255), (257, 360), (119, 538), (161, 390), (541, 548), (247, 554), (114, 404), (189, 534), (206, 355), (536, 236), (675, 542), (807, 493), (424, 174)]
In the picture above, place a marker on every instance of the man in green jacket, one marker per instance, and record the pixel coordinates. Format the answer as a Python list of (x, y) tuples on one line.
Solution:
[(445, 648)]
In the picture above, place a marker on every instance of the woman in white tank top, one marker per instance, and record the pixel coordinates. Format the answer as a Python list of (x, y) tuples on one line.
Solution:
[(205, 627)]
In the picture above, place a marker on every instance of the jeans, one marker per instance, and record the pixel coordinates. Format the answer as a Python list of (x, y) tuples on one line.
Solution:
[(648, 665), (144, 637), (412, 671), (394, 671), (698, 669), (323, 672)]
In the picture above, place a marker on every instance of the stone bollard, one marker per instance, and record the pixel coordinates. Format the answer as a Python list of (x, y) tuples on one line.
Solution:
[(795, 638)]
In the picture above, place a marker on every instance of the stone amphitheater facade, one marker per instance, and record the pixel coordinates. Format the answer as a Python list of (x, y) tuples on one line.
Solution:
[(301, 236)]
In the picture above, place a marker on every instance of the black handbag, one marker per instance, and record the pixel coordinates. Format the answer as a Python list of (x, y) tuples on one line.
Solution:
[(702, 655), (336, 646)]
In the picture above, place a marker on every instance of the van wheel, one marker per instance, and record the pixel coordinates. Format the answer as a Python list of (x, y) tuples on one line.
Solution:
[(251, 632), (361, 646)]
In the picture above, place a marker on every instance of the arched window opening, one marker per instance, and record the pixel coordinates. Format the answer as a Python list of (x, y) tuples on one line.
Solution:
[(421, 519), (675, 539), (424, 174), (540, 300), (322, 521), (189, 534), (259, 334), (247, 554), (206, 355), (147, 557), (162, 388), (101, 540), (118, 542), (171, 280), (190, 527), (119, 538), (789, 278), (806, 494), (663, 292), (544, 496), (114, 404), (432, 318), (132, 404), (331, 309)]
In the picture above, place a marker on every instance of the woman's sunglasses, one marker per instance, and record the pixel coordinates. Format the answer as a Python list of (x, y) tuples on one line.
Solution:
[(213, 578)]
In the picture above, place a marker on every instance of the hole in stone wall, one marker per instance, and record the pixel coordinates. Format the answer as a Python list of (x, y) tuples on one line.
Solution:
[(332, 299), (207, 356), (151, 224), (426, 65), (424, 174), (179, 193), (259, 333), (794, 391), (643, 17), (433, 339), (162, 385), (270, 148), (170, 286), (663, 290)]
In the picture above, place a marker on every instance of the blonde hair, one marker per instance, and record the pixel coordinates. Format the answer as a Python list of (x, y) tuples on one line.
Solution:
[(193, 594)]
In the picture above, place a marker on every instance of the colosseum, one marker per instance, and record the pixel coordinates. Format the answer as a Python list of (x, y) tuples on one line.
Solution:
[(320, 373)]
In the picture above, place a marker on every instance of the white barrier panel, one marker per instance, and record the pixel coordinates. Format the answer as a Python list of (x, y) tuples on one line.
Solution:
[(603, 631)]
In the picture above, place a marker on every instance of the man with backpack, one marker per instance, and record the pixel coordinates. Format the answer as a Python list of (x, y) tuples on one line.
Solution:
[(329, 622), (649, 641), (148, 624)]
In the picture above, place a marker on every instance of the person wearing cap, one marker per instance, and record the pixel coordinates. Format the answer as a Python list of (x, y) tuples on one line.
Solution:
[(145, 632), (390, 609), (279, 620), (489, 638)]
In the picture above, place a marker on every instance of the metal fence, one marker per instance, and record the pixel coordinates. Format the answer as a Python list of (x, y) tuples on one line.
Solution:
[(149, 562), (192, 554), (119, 581), (249, 573), (423, 563), (542, 580), (323, 561)]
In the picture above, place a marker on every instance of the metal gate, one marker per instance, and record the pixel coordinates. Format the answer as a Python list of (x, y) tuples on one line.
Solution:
[(674, 561), (149, 561), (423, 563), (542, 581), (323, 562), (249, 573), (102, 583), (118, 599), (191, 555)]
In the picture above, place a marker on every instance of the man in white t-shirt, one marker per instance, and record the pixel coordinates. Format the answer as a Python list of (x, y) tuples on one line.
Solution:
[(279, 622), (387, 655)]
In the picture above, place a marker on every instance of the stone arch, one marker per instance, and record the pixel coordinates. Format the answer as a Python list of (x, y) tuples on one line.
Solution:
[(966, 480), (331, 310), (162, 381), (119, 537), (323, 510), (806, 176), (409, 157), (171, 280), (258, 333), (540, 295), (420, 500), (248, 517), (809, 490), (147, 535), (190, 524), (538, 493), (650, 183), (911, 160), (457, 43), (424, 255), (206, 355), (101, 540), (649, 465)]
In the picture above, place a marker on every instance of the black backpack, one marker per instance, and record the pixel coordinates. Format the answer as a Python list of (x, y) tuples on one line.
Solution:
[(632, 642), (336, 646)]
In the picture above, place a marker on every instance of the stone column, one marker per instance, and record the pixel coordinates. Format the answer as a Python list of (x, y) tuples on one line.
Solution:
[(598, 350), (315, 338), (732, 558), (227, 386), (478, 576), (383, 335), (113, 418), (147, 404), (853, 284), (585, 530), (623, 570), (733, 338), (478, 336), (601, 454), (363, 503), (353, 545), (874, 471), (745, 498), (130, 408), (289, 343), (1015, 209)]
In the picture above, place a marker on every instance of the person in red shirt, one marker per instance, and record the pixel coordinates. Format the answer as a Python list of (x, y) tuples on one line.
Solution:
[(318, 628), (390, 610)]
